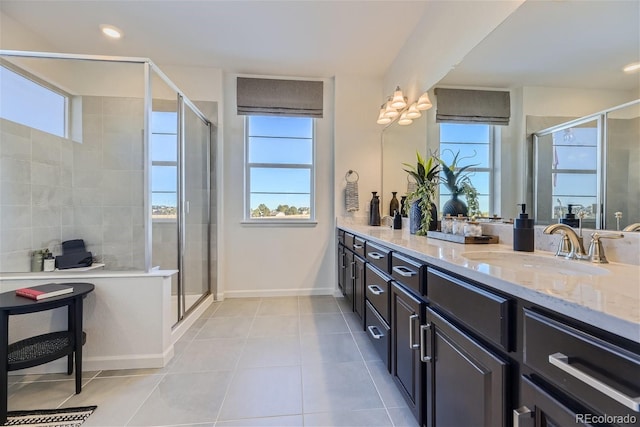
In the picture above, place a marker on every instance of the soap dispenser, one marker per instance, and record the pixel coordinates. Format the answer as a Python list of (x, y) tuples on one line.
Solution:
[(570, 218), (397, 221), (523, 231)]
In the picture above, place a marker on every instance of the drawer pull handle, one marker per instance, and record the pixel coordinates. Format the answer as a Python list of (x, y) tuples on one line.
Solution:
[(353, 270), (375, 289), (561, 361), (357, 246), (424, 342), (404, 271), (412, 344), (375, 332), (523, 417), (375, 255)]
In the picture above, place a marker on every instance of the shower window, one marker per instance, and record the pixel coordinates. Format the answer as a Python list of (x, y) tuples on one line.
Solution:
[(27, 100), (164, 165)]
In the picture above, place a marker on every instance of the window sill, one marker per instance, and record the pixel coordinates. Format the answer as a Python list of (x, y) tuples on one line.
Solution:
[(279, 223)]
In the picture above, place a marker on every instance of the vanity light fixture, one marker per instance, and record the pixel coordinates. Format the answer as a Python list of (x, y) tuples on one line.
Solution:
[(111, 31), (634, 66), (397, 106)]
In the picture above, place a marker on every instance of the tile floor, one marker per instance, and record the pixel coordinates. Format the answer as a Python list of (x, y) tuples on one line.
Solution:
[(291, 361)]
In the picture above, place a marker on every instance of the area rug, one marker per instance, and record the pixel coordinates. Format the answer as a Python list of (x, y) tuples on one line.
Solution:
[(63, 417)]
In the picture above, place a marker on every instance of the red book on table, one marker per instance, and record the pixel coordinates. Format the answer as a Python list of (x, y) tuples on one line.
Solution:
[(44, 291)]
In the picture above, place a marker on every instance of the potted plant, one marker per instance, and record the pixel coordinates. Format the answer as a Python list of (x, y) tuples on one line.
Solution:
[(457, 182), (422, 210)]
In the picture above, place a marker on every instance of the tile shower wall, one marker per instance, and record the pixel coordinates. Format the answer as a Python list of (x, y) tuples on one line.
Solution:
[(53, 189)]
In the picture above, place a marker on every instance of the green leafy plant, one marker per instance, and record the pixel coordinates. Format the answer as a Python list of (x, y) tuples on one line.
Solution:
[(425, 173), (454, 176), (471, 194)]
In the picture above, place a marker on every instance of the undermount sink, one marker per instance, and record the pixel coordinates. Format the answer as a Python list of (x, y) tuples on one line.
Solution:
[(548, 264)]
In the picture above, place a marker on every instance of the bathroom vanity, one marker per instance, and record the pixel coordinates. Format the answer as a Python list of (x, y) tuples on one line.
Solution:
[(480, 335)]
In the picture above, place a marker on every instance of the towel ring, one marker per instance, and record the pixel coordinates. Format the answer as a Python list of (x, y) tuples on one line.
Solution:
[(349, 173)]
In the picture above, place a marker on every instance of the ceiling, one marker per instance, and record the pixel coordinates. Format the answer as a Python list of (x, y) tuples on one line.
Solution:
[(306, 38), (569, 43), (561, 43)]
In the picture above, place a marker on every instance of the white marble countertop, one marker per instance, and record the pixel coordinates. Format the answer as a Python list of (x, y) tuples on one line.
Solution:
[(609, 301)]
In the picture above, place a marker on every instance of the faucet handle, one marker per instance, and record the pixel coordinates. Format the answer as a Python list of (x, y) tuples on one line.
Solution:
[(596, 250)]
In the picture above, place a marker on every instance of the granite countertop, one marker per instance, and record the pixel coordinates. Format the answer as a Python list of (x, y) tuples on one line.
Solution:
[(609, 300)]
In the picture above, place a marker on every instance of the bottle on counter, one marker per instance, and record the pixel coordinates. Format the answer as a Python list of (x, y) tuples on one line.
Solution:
[(49, 262), (523, 233), (397, 221)]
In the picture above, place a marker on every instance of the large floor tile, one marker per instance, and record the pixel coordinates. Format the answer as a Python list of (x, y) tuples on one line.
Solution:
[(362, 418), (117, 398), (318, 304), (387, 388), (263, 392), (270, 351), (184, 399), (225, 327), (50, 394), (287, 421), (216, 354), (402, 417), (322, 323), (333, 387), (278, 306), (271, 326), (238, 307), (331, 348)]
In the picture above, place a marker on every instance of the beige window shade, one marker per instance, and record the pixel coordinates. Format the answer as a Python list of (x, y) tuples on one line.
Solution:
[(273, 97), (473, 106)]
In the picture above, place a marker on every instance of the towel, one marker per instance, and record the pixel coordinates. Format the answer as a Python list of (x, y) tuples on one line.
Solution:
[(351, 196)]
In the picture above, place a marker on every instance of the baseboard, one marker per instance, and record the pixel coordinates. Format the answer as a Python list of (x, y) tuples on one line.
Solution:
[(277, 293), (178, 331)]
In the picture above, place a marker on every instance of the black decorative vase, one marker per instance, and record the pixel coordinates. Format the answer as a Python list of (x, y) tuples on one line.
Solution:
[(394, 205), (455, 207), (374, 209), (433, 223)]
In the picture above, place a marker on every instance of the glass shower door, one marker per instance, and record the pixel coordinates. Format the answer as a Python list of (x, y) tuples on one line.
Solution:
[(195, 218)]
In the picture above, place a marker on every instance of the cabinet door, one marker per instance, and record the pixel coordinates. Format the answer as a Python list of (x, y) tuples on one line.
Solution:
[(342, 268), (540, 408), (406, 366), (349, 274), (468, 382), (358, 287)]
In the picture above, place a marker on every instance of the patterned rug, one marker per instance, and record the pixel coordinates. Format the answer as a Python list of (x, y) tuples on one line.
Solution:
[(64, 417)]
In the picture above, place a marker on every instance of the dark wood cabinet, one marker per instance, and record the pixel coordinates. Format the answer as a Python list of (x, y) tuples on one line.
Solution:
[(407, 314), (342, 267), (358, 286), (466, 382), (349, 271), (541, 408)]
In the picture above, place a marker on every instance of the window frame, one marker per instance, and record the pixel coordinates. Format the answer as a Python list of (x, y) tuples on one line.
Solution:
[(45, 84), (493, 129), (281, 221)]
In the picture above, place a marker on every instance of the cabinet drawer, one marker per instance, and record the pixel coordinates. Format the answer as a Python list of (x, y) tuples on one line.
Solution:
[(377, 291), (480, 310), (378, 256), (348, 240), (602, 375), (358, 246), (378, 332), (341, 236), (409, 272)]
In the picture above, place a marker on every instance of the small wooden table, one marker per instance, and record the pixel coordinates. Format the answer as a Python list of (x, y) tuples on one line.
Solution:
[(45, 348)]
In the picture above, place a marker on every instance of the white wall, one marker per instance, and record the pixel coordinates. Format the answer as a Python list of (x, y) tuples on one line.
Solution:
[(275, 260)]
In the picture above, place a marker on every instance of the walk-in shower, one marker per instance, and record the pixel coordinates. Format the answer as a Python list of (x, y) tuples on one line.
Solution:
[(108, 150)]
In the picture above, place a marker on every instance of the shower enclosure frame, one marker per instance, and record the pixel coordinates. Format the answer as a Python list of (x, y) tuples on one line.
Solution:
[(183, 101)]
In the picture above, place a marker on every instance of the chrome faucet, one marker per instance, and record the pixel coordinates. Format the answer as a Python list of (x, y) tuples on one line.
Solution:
[(632, 227), (575, 247)]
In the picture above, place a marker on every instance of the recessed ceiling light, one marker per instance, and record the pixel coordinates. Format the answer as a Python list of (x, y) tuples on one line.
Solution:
[(111, 31), (634, 66)]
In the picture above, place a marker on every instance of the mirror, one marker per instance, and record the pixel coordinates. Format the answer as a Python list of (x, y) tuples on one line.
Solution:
[(399, 145), (553, 74)]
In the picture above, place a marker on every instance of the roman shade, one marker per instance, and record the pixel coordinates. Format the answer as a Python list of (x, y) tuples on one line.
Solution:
[(473, 106), (274, 97)]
